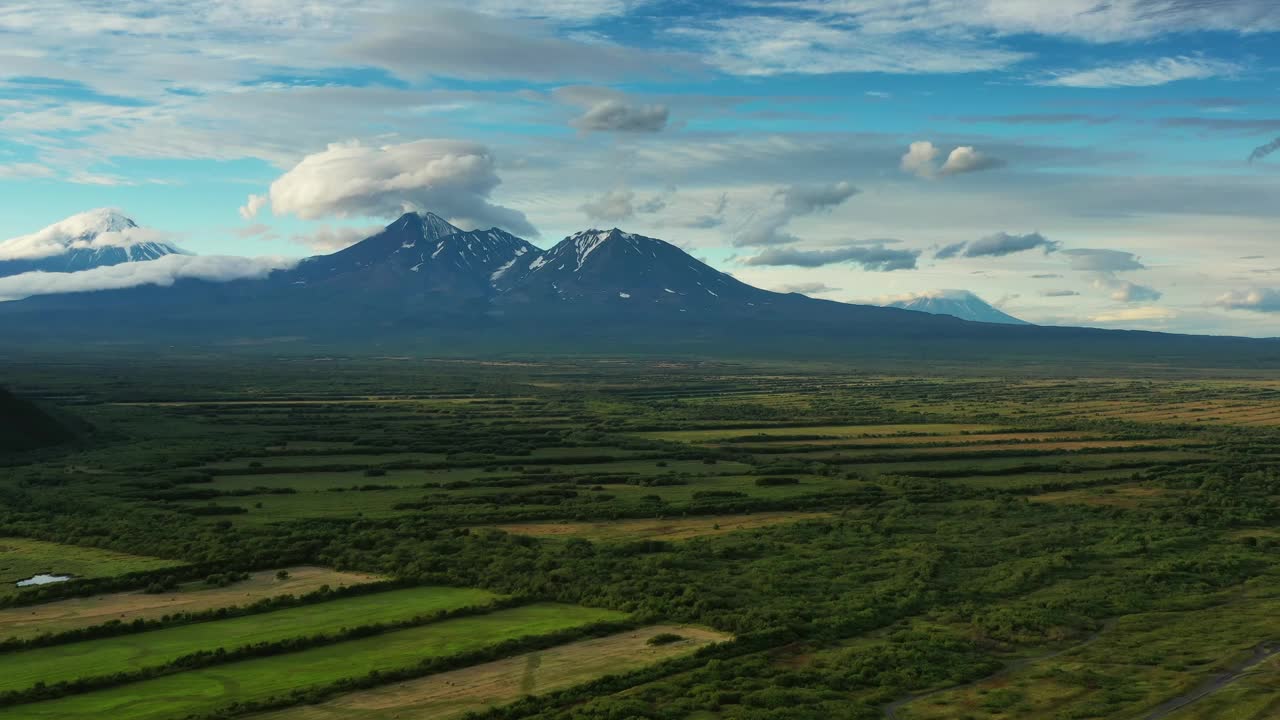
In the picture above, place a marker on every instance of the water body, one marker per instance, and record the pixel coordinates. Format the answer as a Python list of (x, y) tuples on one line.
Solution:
[(43, 579)]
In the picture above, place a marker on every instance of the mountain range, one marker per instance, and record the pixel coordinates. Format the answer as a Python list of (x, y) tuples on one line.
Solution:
[(423, 283)]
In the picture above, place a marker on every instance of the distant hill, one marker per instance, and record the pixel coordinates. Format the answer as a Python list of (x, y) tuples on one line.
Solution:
[(24, 426), (98, 238), (956, 303)]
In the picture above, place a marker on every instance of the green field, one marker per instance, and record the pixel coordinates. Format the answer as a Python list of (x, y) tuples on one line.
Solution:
[(158, 647), (1030, 542), (207, 690), (21, 558)]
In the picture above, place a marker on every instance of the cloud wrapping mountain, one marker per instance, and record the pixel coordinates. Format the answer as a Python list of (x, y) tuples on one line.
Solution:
[(164, 271), (454, 177), (95, 229)]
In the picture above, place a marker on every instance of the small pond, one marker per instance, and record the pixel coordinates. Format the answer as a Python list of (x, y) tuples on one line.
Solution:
[(43, 579)]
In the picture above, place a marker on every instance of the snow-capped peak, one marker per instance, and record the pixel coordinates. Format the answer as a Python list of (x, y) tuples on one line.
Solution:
[(92, 230)]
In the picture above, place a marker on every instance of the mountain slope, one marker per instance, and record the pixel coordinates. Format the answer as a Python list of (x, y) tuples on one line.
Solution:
[(98, 238), (956, 303), (417, 255), (26, 426), (620, 268)]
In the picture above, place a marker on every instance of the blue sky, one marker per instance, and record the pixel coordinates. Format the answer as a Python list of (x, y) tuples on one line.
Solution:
[(1090, 160)]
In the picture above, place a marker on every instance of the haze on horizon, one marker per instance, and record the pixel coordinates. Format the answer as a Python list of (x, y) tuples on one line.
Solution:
[(1111, 164)]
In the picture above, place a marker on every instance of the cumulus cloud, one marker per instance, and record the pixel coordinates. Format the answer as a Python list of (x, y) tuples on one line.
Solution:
[(252, 206), (873, 258), (1266, 300), (1003, 243), (965, 159), (452, 178), (1126, 291), (1264, 150), (949, 251), (807, 288), (767, 228), (104, 227), (164, 272), (613, 206), (1058, 293), (618, 116), (1099, 260), (921, 160)]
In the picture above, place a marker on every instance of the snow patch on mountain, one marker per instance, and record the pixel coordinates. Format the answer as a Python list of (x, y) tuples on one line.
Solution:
[(93, 231)]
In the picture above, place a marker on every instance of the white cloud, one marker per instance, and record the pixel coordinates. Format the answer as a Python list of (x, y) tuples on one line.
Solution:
[(25, 170), (922, 156), (1126, 315), (104, 227), (452, 178), (330, 239), (770, 45), (965, 159), (164, 271), (1143, 73), (1087, 20), (1126, 291), (250, 209)]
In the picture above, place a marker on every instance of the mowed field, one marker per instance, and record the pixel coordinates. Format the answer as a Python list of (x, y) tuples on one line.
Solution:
[(60, 663), (21, 558), (193, 597), (454, 693), (209, 689)]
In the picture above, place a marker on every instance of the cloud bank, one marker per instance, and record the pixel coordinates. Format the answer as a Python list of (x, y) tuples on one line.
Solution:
[(450, 177), (164, 271)]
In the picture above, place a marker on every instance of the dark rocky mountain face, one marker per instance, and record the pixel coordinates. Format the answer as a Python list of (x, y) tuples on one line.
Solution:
[(620, 269), (415, 255)]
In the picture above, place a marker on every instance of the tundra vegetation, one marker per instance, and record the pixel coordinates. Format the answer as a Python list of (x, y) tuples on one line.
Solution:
[(294, 538)]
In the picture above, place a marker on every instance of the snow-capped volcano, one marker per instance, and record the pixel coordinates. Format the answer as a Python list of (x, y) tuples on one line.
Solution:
[(957, 303), (97, 238), (612, 266)]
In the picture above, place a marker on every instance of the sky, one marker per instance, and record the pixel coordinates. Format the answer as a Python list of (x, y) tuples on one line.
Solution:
[(1088, 162)]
